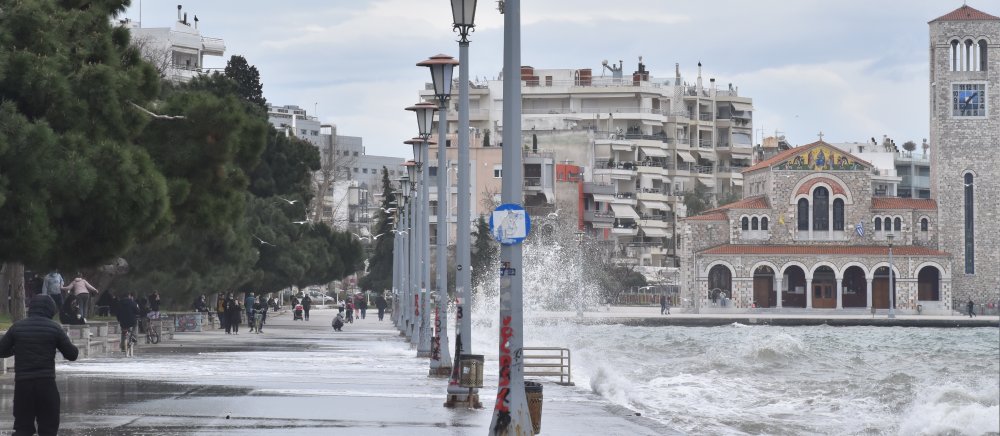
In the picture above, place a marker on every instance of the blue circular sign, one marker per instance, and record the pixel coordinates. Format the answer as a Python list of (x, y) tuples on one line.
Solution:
[(510, 224)]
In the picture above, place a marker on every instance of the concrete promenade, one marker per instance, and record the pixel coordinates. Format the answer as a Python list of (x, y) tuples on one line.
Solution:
[(296, 378)]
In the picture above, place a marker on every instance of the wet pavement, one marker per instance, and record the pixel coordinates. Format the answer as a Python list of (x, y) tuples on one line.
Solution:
[(296, 378)]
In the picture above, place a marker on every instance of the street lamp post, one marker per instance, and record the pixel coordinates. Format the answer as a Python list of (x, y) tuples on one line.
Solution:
[(405, 320), (420, 146), (441, 67), (510, 412), (463, 20), (413, 238), (892, 288)]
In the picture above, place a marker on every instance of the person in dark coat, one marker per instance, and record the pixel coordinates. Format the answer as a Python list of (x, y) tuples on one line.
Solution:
[(33, 342), (381, 304), (127, 313), (306, 305), (105, 303), (220, 309), (971, 308), (234, 315), (363, 304), (70, 312)]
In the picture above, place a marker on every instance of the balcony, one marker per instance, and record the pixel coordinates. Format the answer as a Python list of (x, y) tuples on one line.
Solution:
[(703, 170), (705, 143), (705, 116), (598, 217), (598, 188)]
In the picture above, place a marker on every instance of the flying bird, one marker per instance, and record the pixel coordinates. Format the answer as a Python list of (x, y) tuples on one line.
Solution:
[(157, 116), (263, 242), (380, 234), (554, 214), (288, 201), (299, 222), (389, 210)]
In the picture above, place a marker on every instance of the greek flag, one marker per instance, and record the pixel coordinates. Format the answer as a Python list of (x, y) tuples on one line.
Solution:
[(860, 229)]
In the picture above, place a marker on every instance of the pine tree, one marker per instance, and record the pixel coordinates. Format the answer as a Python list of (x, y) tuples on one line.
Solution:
[(247, 80), (485, 252)]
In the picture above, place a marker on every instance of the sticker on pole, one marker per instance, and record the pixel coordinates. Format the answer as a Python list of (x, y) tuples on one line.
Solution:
[(510, 224)]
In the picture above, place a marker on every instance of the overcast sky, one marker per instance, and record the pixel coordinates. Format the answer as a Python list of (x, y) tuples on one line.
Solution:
[(851, 68)]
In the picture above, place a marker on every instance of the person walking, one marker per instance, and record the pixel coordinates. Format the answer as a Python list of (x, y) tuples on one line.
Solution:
[(381, 304), (228, 304), (263, 313), (663, 304), (33, 342), (357, 306), (340, 307), (248, 306), (234, 314), (306, 305), (971, 308), (81, 288), (220, 309), (127, 313), (364, 306), (350, 311), (52, 286)]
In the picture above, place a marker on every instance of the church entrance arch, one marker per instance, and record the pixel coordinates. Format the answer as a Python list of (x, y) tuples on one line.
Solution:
[(824, 288), (764, 294), (855, 286), (880, 287), (929, 284), (720, 284), (794, 282)]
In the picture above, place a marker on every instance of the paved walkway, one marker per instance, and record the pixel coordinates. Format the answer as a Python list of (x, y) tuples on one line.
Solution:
[(296, 378)]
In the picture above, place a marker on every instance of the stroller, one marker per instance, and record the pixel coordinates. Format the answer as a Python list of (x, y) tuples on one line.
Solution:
[(297, 313)]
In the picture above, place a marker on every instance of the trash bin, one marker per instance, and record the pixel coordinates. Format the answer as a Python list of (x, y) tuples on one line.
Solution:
[(533, 391), (471, 371)]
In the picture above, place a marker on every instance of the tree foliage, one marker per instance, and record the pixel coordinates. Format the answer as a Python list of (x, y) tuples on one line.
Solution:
[(697, 200), (485, 254), (247, 80)]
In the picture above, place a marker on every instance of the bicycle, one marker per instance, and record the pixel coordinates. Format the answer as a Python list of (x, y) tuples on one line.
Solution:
[(152, 331)]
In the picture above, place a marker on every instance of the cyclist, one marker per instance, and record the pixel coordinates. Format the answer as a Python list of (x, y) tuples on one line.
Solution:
[(127, 314)]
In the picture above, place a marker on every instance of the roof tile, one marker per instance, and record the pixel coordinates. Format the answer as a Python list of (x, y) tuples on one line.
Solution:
[(880, 203), (965, 13), (788, 154)]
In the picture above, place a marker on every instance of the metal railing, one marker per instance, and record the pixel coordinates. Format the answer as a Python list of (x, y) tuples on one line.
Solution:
[(541, 361)]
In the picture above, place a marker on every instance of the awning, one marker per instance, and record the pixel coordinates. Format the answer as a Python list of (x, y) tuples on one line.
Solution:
[(620, 177), (741, 150), (624, 211), (707, 155), (621, 147), (658, 205), (709, 181), (651, 123), (685, 156), (742, 107), (654, 232), (654, 151), (737, 182), (600, 225), (604, 198)]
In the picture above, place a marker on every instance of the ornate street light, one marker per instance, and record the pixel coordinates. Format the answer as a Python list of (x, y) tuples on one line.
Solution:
[(425, 119), (463, 14), (442, 66)]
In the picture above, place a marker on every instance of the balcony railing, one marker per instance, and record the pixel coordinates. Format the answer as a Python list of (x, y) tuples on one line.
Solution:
[(705, 116), (701, 169), (615, 165), (684, 166), (533, 181), (705, 143)]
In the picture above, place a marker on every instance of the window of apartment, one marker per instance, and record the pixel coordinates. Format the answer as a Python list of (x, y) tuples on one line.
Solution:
[(314, 132), (347, 153), (968, 99), (497, 171), (432, 171), (355, 169), (303, 131), (364, 170), (970, 241)]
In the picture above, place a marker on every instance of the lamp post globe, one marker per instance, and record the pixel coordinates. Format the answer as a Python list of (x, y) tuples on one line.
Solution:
[(425, 119), (404, 182), (463, 13), (442, 66)]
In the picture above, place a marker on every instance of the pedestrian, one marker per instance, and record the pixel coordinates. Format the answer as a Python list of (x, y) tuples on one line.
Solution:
[(69, 313), (338, 322), (154, 305), (53, 286), (272, 304), (200, 305), (350, 311), (33, 342), (105, 303), (306, 305), (381, 304), (666, 304), (357, 306), (663, 304), (340, 307), (971, 308), (248, 306), (127, 313), (263, 312), (364, 306), (220, 309), (234, 313), (81, 288)]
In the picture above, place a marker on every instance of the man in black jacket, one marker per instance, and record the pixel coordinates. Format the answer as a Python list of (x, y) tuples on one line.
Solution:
[(127, 314), (35, 340)]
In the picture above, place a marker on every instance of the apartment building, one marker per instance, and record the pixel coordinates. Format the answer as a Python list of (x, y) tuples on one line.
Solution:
[(178, 52), (639, 142), (350, 178)]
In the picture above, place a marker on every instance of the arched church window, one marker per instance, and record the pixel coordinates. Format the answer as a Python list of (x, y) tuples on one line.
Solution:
[(923, 224), (838, 214), (803, 214), (763, 223), (754, 224), (821, 209), (897, 225), (982, 55), (953, 52), (970, 222), (745, 223), (878, 224)]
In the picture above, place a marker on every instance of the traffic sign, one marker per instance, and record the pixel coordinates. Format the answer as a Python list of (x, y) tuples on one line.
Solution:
[(510, 224)]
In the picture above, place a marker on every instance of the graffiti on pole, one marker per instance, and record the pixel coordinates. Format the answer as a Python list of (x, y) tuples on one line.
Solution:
[(436, 340), (416, 305), (503, 395)]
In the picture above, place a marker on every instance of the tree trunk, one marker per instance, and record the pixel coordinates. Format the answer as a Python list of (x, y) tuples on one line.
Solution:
[(14, 280)]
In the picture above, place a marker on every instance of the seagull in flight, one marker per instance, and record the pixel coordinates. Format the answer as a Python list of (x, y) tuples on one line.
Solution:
[(157, 116), (389, 210), (299, 222), (288, 201), (263, 242), (400, 232), (376, 236), (554, 214), (361, 237)]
